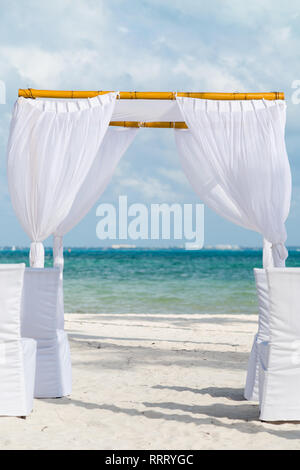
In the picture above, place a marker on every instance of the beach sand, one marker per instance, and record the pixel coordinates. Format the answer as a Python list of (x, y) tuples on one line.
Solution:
[(153, 382)]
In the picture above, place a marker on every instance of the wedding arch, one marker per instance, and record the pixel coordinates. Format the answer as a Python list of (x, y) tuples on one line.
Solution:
[(64, 147)]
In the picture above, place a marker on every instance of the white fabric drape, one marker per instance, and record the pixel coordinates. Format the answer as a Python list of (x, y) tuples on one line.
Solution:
[(234, 155), (114, 145), (143, 110), (51, 149), (146, 110)]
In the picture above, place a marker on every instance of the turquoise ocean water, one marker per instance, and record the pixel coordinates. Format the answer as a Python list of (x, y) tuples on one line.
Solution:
[(157, 281)]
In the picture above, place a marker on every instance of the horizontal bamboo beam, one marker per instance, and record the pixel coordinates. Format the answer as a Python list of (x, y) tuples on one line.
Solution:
[(161, 125), (152, 95), (149, 95)]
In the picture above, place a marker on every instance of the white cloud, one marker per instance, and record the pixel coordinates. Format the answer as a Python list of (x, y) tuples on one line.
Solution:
[(208, 76), (149, 189), (123, 29), (248, 14), (33, 64), (175, 176), (162, 185)]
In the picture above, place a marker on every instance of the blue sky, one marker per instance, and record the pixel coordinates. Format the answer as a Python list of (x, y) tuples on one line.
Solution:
[(151, 45)]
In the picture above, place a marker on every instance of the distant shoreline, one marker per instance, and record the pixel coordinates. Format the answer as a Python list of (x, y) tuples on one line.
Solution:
[(147, 248)]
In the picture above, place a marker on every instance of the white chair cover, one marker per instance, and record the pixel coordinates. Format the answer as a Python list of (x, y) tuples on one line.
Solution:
[(41, 321), (279, 382), (17, 355), (252, 387)]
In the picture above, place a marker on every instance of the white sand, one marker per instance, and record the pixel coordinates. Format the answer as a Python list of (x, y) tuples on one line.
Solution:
[(153, 382)]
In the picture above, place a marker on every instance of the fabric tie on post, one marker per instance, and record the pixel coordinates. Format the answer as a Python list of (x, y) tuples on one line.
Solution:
[(37, 255), (280, 254), (274, 254)]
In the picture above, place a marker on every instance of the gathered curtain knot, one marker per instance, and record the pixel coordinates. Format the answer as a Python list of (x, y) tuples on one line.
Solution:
[(280, 254), (37, 255)]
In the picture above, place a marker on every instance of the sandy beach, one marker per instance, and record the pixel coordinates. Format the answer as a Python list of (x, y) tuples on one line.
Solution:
[(153, 382)]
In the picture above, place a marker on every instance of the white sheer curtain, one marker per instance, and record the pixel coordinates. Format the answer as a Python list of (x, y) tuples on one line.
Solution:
[(51, 149), (235, 157), (115, 143)]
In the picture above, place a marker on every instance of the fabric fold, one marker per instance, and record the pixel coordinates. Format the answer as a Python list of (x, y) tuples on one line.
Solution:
[(280, 254)]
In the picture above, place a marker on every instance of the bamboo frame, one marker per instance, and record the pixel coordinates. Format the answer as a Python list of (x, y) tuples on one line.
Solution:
[(157, 125), (149, 95), (152, 95)]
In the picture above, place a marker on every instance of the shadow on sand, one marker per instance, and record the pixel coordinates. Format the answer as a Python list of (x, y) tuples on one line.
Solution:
[(244, 418)]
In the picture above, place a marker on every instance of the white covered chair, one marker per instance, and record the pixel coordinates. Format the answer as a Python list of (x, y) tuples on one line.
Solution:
[(279, 381), (41, 321), (17, 354), (252, 388)]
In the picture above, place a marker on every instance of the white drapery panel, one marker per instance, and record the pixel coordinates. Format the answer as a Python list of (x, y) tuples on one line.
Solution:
[(115, 143), (143, 110), (235, 157), (146, 110), (52, 146)]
